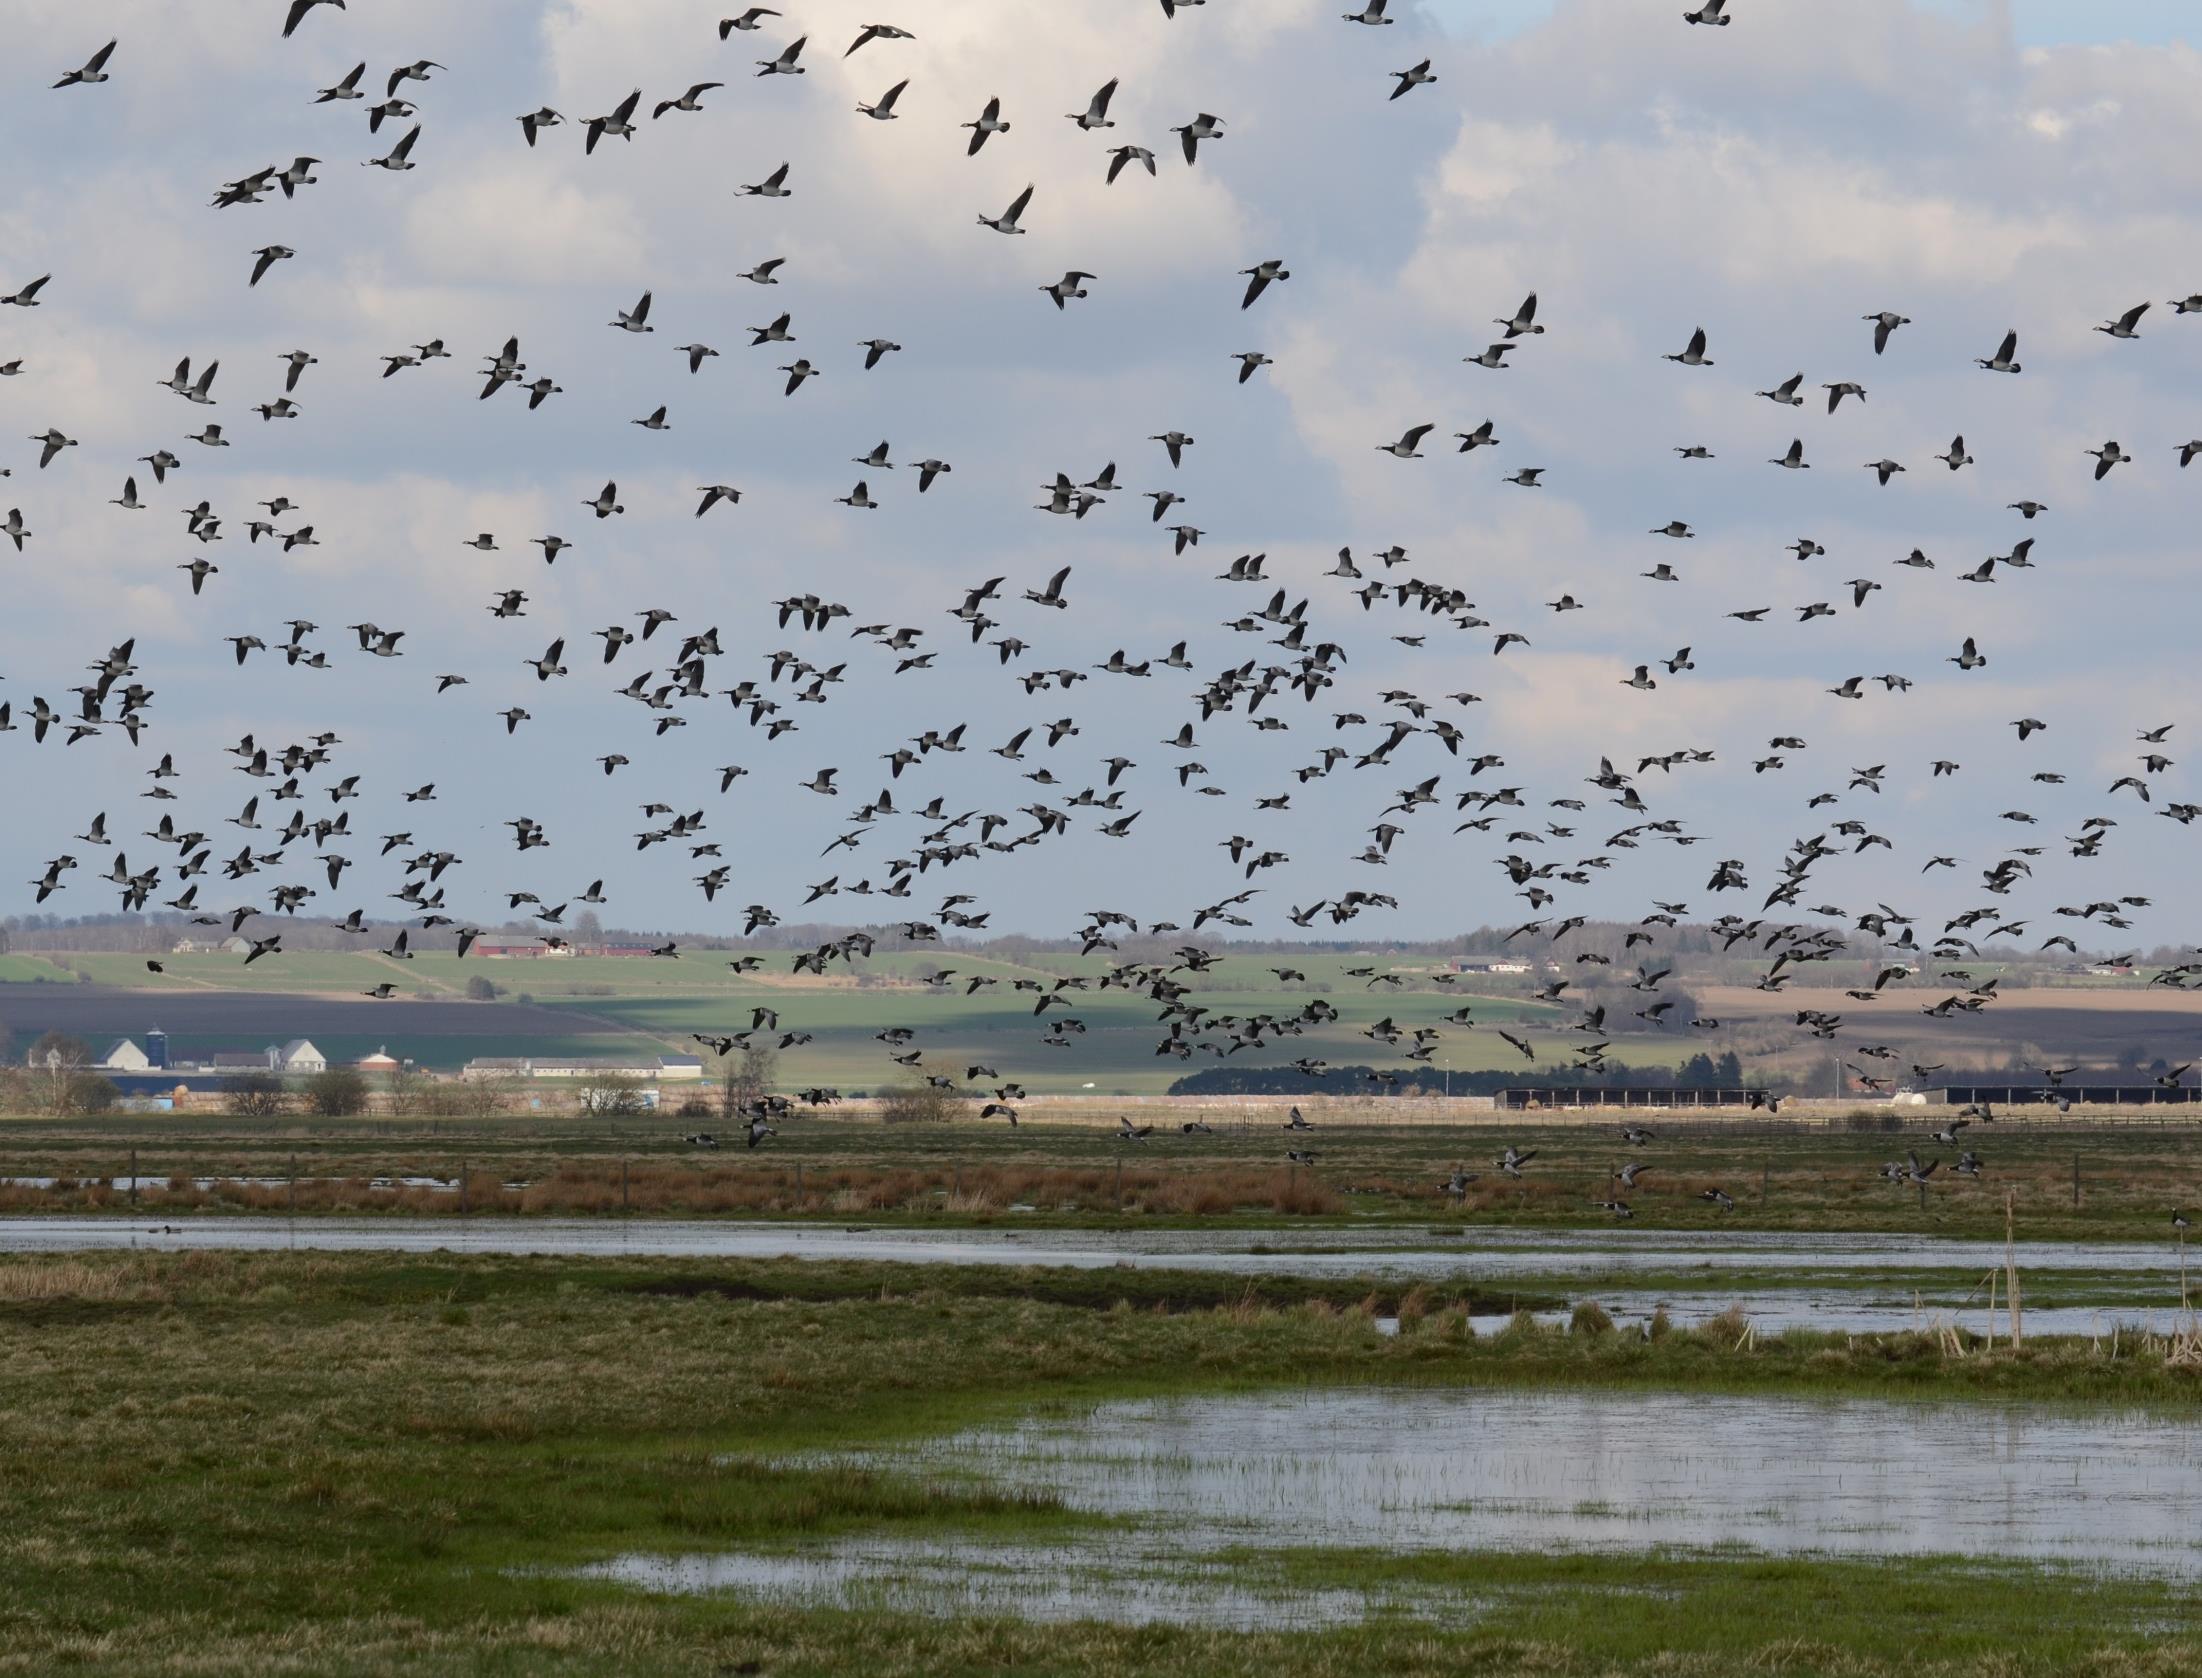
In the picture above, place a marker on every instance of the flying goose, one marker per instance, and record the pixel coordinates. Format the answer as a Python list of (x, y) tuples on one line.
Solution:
[(94, 69), (1694, 354), (1121, 155), (620, 122), (299, 9), (988, 122), (773, 185), (348, 88), (1202, 127), (400, 157), (879, 32), (1885, 324), (1006, 222), (1069, 286), (785, 64), (689, 101), (883, 108), (1417, 75), (1260, 275), (2123, 326), (1096, 113)]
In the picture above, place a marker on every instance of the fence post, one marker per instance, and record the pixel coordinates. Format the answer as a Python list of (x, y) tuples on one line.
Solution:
[(294, 1185), (2075, 1177), (462, 1188), (133, 1178)]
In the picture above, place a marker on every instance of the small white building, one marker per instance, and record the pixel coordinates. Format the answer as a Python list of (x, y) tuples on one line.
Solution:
[(298, 1056), (125, 1056)]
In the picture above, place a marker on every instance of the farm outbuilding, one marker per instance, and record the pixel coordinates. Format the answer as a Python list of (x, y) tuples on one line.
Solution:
[(2079, 1095), (1599, 1095)]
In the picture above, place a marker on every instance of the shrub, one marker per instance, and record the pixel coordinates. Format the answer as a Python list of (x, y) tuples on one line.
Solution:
[(918, 1104), (337, 1092)]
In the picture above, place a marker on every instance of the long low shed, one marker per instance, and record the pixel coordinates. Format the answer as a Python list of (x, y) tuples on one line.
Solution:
[(2079, 1095), (1599, 1095)]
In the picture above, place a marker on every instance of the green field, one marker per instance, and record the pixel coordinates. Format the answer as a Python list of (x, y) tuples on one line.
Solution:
[(629, 1005)]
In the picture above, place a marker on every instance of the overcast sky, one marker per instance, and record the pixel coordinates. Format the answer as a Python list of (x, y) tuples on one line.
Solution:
[(1976, 167)]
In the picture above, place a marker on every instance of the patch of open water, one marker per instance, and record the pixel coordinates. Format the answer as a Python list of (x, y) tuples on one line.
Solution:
[(1209, 1493)]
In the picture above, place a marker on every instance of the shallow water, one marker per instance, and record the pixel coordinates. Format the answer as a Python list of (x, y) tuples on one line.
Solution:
[(2145, 1289), (1207, 1495), (1397, 1252), (1421, 1469), (1125, 1580)]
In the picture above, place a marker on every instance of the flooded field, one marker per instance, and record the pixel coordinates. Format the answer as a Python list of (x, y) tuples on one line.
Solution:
[(1450, 1470), (1208, 1497), (1127, 1580)]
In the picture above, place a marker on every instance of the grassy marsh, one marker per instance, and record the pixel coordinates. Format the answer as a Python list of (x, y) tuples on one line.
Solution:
[(285, 1463), (828, 1164)]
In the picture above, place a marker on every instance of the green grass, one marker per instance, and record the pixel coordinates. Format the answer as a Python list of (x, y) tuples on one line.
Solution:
[(288, 1464)]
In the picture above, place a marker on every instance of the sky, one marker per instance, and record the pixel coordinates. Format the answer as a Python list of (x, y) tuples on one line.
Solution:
[(1973, 167)]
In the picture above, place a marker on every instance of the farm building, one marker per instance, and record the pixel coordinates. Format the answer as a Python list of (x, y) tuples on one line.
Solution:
[(210, 947), (1594, 1095), (667, 1068), (2080, 1095), (125, 1056)]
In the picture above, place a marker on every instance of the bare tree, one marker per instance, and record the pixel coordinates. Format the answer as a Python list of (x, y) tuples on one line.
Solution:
[(256, 1095), (612, 1093), (746, 1078), (56, 1070)]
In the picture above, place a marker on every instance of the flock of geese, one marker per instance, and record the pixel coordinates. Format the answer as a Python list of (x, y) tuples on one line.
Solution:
[(1417, 757)]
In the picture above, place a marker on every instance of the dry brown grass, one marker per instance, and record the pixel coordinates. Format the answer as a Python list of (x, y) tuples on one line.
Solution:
[(586, 1188)]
